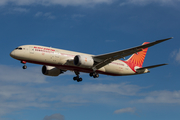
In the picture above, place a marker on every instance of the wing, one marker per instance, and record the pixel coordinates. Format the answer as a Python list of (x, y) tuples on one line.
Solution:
[(104, 59)]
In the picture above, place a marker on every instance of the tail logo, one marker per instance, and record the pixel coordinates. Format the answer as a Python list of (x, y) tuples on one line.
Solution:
[(137, 59)]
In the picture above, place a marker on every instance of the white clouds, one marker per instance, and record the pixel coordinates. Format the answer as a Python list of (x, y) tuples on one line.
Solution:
[(16, 93), (3, 2), (86, 2), (15, 10), (176, 54), (77, 16), (161, 97), (46, 15), (21, 10), (38, 14), (14, 74), (146, 2), (121, 89), (56, 2), (15, 97), (125, 110), (49, 15), (54, 117)]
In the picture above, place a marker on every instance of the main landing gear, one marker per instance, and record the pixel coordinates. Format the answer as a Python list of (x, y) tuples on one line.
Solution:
[(77, 77), (24, 62), (94, 75)]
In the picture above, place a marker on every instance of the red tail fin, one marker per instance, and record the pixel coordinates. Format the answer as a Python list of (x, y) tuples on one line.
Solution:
[(137, 59)]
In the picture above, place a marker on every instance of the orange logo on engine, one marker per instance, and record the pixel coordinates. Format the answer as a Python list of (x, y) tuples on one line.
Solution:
[(86, 59)]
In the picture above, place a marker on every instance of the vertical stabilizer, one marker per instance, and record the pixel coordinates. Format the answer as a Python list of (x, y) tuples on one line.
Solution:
[(137, 59)]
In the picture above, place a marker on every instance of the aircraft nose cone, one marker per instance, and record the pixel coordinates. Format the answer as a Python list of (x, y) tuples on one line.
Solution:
[(12, 54)]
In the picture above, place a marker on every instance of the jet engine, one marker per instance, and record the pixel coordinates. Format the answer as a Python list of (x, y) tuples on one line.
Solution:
[(83, 61), (51, 71)]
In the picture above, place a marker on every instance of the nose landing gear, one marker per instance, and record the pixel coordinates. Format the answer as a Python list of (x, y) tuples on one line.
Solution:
[(24, 62)]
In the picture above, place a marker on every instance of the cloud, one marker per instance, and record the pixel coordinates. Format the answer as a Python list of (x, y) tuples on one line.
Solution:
[(16, 94), (56, 2), (22, 10), (78, 16), (85, 2), (125, 110), (146, 2), (15, 10), (47, 15), (15, 97), (22, 89), (161, 97), (122, 89), (54, 117), (38, 14), (176, 55), (18, 75)]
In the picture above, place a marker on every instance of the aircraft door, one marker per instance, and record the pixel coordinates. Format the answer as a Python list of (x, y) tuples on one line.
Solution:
[(31, 50), (57, 54)]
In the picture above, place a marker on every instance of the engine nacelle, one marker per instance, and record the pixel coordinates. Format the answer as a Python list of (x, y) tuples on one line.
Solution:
[(83, 61), (51, 71)]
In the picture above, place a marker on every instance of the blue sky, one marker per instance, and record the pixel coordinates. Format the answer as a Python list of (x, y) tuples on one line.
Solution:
[(95, 27)]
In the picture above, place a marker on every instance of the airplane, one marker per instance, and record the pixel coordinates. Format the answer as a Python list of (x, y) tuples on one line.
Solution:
[(57, 61)]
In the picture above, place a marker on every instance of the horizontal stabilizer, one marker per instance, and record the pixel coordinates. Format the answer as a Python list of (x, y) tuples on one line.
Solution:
[(149, 67)]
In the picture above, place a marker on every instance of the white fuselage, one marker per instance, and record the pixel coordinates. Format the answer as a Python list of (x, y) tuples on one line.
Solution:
[(63, 59)]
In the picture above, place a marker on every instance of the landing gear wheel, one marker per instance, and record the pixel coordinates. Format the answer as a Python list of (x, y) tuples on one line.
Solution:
[(95, 75), (90, 74), (77, 77), (79, 80), (24, 67)]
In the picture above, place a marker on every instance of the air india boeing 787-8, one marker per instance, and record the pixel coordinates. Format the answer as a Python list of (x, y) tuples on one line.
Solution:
[(57, 61)]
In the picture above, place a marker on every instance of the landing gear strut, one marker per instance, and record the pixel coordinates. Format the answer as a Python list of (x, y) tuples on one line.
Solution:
[(77, 77), (24, 62), (94, 74)]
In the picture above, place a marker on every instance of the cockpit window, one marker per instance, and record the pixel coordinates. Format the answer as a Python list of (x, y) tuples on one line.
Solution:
[(18, 48)]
